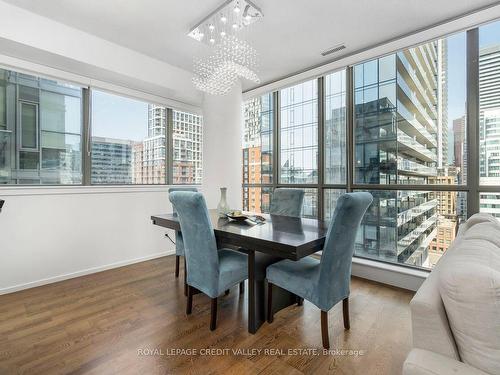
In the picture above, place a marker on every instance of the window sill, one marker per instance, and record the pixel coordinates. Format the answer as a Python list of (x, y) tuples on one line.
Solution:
[(391, 274), (13, 190)]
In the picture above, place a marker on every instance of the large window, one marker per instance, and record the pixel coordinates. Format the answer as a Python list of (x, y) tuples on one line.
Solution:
[(258, 153), (299, 150), (410, 129), (299, 134), (127, 141), (335, 128), (41, 126), (420, 145)]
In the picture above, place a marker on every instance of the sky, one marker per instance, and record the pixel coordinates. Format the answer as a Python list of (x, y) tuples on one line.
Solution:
[(488, 35), (118, 117)]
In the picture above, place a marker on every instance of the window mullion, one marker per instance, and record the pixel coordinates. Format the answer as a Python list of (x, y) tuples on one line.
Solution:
[(473, 121), (350, 128), (169, 155), (276, 139), (87, 133), (321, 147)]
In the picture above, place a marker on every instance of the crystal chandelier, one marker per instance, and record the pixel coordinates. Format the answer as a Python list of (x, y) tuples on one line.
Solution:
[(232, 58)]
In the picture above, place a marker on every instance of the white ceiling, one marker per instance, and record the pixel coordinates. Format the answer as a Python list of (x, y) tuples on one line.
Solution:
[(289, 38)]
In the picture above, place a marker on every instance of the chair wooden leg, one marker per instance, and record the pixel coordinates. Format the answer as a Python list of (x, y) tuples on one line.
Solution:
[(177, 266), (324, 329), (213, 314), (242, 287), (345, 310), (189, 302), (226, 292), (270, 315), (185, 278)]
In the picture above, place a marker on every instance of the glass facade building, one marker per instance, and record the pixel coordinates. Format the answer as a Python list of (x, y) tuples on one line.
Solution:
[(409, 148), (401, 138), (41, 126)]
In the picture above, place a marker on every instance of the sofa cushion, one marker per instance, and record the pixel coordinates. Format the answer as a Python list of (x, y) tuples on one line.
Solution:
[(470, 289), (475, 219)]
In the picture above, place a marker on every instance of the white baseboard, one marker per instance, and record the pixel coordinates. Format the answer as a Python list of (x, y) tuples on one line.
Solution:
[(401, 277), (84, 272)]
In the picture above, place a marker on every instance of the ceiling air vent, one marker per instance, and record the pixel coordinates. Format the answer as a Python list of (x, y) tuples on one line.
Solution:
[(334, 49)]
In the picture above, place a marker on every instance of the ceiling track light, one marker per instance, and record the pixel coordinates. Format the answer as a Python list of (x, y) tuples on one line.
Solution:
[(231, 58), (237, 13)]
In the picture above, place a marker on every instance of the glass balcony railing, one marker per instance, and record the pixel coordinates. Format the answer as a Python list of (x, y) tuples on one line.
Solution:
[(414, 100), (405, 165), (420, 254), (412, 144), (414, 212), (429, 95), (416, 233), (411, 119), (428, 83)]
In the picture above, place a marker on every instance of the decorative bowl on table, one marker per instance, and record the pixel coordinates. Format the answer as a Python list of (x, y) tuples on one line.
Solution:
[(237, 216)]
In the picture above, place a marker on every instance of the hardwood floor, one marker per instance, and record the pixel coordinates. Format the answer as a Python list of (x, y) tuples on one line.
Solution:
[(130, 320)]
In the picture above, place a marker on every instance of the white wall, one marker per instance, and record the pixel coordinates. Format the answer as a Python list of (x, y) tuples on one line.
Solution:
[(50, 234), (38, 39), (222, 155)]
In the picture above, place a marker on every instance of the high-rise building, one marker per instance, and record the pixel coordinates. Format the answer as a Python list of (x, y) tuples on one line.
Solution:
[(442, 102), (401, 137), (460, 161), (257, 155), (489, 75), (447, 213), (459, 137), (40, 130), (111, 161), (150, 154), (489, 126), (187, 153)]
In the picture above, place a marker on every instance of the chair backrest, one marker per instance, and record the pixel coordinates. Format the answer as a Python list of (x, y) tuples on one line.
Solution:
[(180, 188), (287, 202), (199, 240), (336, 260), (179, 244)]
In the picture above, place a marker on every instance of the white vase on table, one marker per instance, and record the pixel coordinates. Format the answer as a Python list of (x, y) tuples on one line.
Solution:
[(222, 207)]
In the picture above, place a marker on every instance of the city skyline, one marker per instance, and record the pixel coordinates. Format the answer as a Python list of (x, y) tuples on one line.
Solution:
[(424, 115), (143, 126)]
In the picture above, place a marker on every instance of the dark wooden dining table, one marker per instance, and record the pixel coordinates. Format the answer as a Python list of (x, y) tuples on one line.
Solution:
[(277, 238)]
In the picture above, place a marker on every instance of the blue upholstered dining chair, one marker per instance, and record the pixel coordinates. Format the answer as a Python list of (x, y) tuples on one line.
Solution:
[(325, 282), (209, 270), (179, 244), (287, 202)]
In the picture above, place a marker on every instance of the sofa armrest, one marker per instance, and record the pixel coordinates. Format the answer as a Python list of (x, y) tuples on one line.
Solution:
[(430, 327), (424, 362)]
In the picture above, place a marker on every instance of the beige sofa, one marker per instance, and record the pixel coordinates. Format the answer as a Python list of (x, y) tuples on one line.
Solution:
[(456, 311)]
